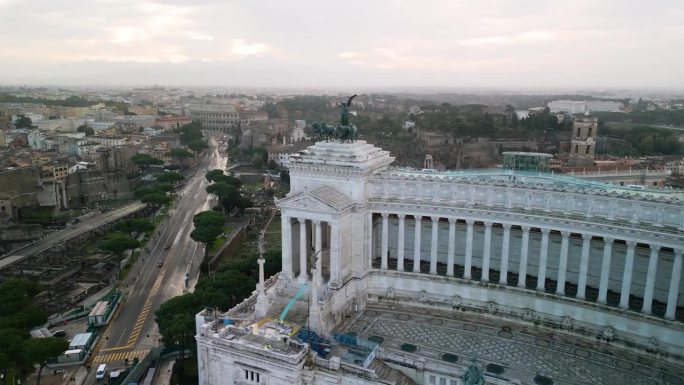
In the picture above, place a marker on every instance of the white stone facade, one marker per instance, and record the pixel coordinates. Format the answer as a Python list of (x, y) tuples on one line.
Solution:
[(559, 250)]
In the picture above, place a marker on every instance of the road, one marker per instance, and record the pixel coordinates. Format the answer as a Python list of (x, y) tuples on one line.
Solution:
[(63, 235), (133, 332)]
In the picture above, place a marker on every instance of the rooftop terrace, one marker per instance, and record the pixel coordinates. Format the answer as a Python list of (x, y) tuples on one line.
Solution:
[(526, 178)]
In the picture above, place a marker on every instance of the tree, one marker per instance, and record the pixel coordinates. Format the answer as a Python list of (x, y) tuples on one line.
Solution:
[(178, 331), (179, 154), (214, 175), (221, 189), (190, 132), (208, 218), (135, 225), (206, 235), (23, 122), (198, 145), (285, 176), (145, 160), (272, 165), (142, 191), (156, 199), (170, 177), (88, 130), (39, 350), (18, 314), (118, 242)]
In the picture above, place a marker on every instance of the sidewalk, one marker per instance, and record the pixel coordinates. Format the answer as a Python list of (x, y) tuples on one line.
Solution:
[(165, 369)]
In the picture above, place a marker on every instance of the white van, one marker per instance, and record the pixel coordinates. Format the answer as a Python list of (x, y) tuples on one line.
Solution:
[(101, 372)]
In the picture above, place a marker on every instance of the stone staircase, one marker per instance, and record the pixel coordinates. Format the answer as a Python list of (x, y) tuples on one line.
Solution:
[(389, 375)]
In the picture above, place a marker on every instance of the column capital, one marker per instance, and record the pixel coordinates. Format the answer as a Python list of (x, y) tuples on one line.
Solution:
[(488, 223), (525, 229), (678, 252), (608, 240), (566, 234), (631, 244), (301, 220), (654, 248), (545, 231), (384, 215), (418, 217), (453, 220), (434, 219), (506, 226), (316, 222), (401, 216), (587, 236), (470, 222)]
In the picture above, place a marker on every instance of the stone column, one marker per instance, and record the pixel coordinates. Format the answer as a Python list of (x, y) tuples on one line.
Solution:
[(543, 256), (416, 245), (314, 318), (486, 252), (433, 245), (504, 253), (303, 274), (385, 237), (451, 247), (286, 226), (467, 273), (650, 279), (584, 267), (261, 307), (318, 235), (335, 254), (262, 287), (605, 269), (400, 243), (369, 244), (524, 248), (627, 275), (563, 263), (674, 285)]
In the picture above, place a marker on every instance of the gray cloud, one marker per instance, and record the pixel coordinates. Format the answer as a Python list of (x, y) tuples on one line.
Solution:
[(495, 43)]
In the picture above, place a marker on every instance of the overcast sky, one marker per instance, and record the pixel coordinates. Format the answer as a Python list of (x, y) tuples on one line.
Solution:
[(319, 43)]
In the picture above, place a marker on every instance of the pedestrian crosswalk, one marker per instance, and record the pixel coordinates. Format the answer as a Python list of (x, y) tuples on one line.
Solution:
[(120, 356)]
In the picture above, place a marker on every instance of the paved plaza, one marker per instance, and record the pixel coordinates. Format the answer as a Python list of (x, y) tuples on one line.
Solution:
[(524, 352)]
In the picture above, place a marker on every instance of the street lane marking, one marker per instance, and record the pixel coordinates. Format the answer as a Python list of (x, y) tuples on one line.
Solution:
[(142, 317), (122, 356)]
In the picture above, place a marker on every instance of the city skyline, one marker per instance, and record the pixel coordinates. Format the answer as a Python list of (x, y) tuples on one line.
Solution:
[(500, 44)]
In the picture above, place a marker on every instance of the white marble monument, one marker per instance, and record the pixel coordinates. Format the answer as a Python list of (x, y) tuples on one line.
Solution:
[(535, 247)]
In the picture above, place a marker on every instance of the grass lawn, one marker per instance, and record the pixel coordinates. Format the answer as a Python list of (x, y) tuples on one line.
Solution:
[(219, 241)]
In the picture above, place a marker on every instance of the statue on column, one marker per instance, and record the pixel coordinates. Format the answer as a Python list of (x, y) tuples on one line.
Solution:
[(261, 307), (473, 376)]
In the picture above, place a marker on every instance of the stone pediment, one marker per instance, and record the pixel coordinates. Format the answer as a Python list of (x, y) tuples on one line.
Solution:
[(324, 198)]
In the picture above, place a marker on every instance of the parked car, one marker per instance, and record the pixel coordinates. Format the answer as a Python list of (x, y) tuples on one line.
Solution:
[(101, 372), (58, 333), (160, 263)]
